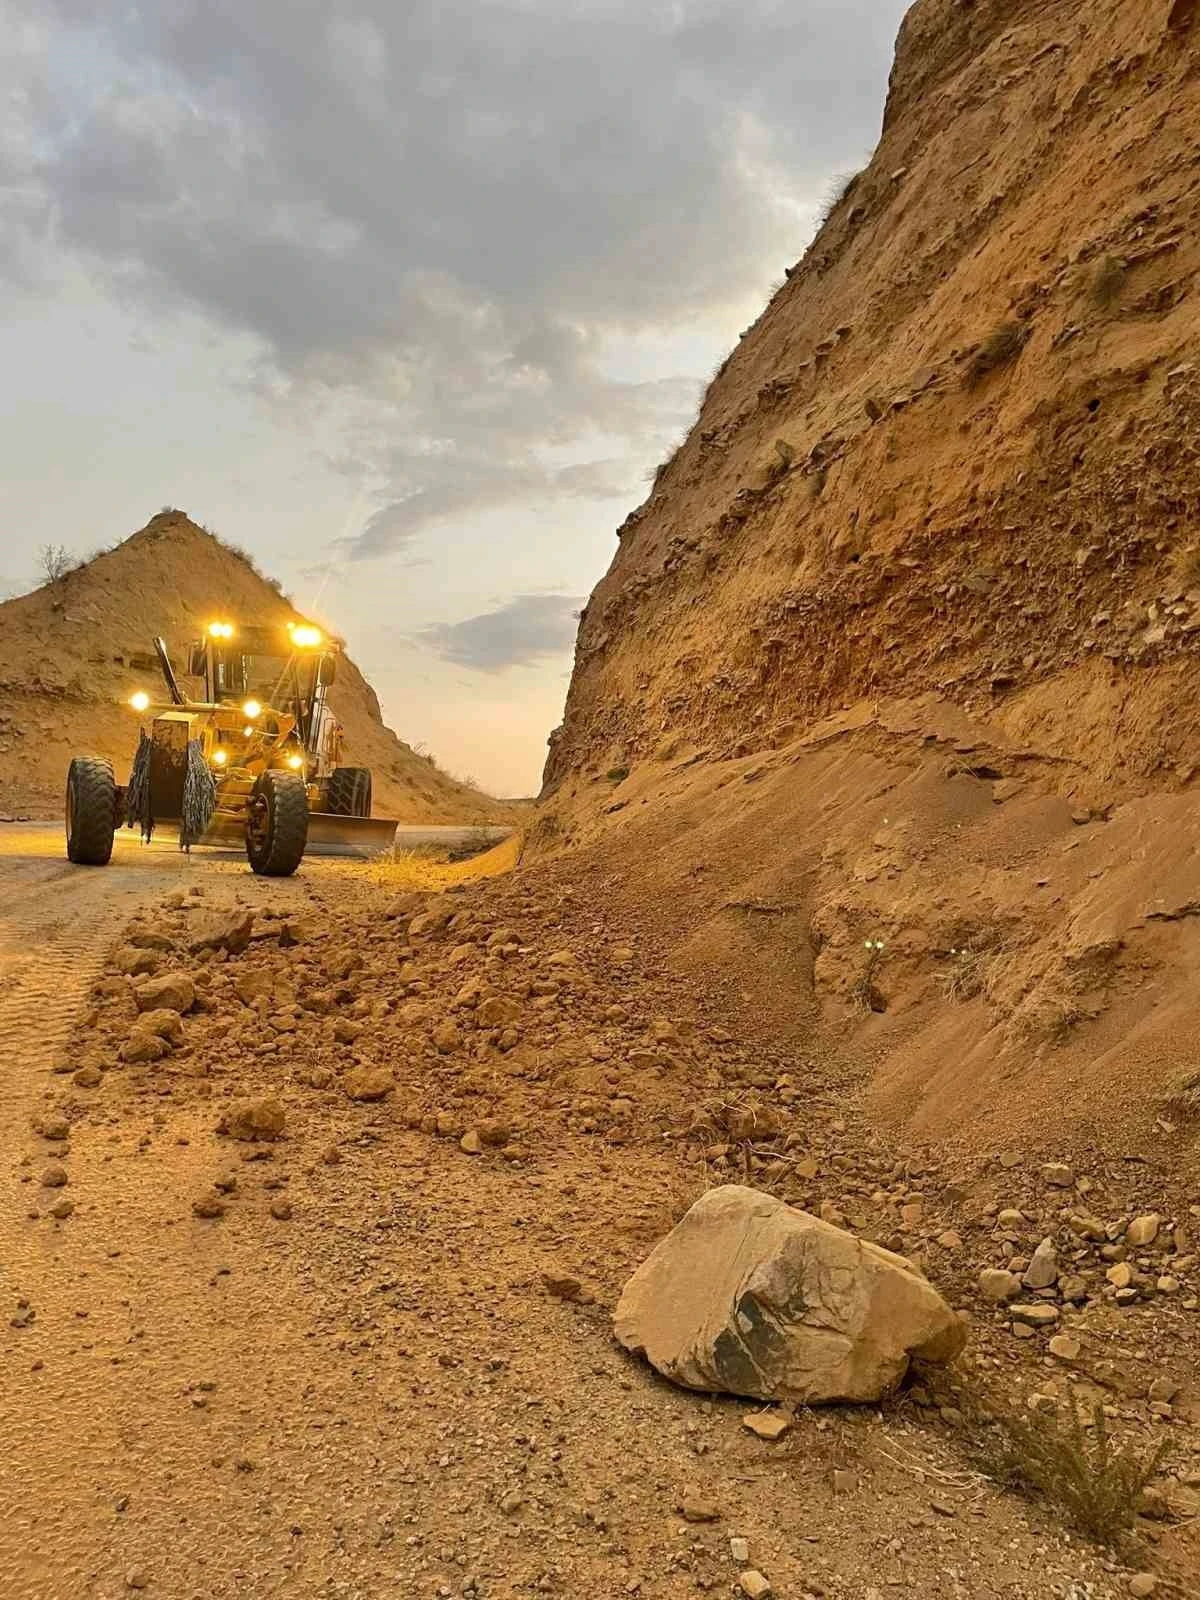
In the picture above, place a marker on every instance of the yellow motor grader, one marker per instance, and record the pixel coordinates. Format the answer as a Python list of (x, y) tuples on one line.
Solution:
[(255, 759)]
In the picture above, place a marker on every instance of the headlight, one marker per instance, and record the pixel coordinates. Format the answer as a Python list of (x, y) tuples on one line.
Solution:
[(140, 701), (305, 637), (220, 757), (252, 709), (295, 762), (220, 630)]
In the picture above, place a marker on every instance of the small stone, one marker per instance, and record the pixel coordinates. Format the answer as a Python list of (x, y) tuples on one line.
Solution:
[(497, 1012), (62, 1208), (754, 1585), (1142, 1231), (1162, 1389), (1120, 1276), (739, 1550), (54, 1128), (694, 1508), (1073, 1289), (561, 1285), (136, 1579), (164, 1023), (208, 1204), (254, 1119), (1010, 1220), (446, 1037), (174, 991), (950, 1240), (1167, 1284), (512, 1502), (229, 931), (142, 1047), (1058, 1175), (471, 1144), (997, 1285), (843, 1482), (281, 1210), (331, 1155), (367, 1084), (55, 1176), (1042, 1272), (1035, 1316), (88, 1077), (1127, 1297), (768, 1425), (1143, 1584), (1065, 1347)]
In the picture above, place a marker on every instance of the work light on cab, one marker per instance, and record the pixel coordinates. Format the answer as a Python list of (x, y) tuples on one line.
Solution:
[(305, 637), (220, 757), (252, 709), (140, 701), (220, 630)]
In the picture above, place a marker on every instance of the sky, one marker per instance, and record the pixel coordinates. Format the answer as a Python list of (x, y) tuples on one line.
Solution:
[(408, 298)]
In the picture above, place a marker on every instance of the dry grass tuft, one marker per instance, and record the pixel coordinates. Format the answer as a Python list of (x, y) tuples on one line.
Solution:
[(840, 188), (1185, 567), (1002, 346), (1098, 1480), (1108, 280), (969, 962), (866, 993)]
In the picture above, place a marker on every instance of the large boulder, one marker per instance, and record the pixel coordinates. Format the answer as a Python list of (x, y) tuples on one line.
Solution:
[(749, 1296)]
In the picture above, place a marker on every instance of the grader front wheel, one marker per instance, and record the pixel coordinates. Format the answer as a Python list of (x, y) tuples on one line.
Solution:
[(277, 824)]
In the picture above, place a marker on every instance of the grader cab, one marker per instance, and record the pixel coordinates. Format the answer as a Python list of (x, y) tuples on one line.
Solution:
[(251, 755)]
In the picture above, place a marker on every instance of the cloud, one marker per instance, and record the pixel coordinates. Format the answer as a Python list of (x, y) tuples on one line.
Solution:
[(525, 630), (446, 213)]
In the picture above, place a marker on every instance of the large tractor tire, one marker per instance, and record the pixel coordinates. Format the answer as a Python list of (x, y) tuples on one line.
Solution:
[(348, 792), (91, 811), (277, 824)]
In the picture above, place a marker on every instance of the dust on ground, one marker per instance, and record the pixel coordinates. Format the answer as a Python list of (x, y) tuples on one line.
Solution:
[(373, 1354)]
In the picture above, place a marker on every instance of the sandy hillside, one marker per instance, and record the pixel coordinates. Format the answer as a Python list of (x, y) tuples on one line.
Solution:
[(72, 652), (902, 646)]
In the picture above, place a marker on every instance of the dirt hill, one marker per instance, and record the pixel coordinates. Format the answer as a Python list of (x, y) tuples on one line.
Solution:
[(889, 691), (72, 652)]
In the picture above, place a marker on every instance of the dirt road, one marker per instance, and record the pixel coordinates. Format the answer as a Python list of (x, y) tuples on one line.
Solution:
[(355, 1382)]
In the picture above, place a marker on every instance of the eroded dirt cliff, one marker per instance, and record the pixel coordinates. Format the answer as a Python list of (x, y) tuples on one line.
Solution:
[(889, 691)]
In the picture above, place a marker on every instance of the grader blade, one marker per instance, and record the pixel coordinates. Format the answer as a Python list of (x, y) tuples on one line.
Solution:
[(330, 835)]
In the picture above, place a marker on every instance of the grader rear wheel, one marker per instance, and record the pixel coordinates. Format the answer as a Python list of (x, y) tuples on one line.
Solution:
[(277, 824), (348, 792), (91, 811)]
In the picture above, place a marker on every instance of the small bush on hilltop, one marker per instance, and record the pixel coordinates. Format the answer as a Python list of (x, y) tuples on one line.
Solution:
[(55, 562)]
